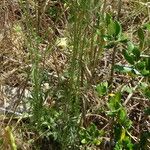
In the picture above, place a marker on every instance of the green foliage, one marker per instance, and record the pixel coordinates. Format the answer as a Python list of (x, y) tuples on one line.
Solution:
[(89, 34), (132, 55), (102, 88), (121, 123), (126, 69), (118, 111), (138, 66), (91, 135), (114, 31)]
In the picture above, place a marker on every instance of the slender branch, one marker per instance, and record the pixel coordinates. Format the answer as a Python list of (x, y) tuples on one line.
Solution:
[(114, 50)]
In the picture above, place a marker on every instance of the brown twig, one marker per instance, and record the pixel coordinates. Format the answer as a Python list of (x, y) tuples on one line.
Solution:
[(131, 94)]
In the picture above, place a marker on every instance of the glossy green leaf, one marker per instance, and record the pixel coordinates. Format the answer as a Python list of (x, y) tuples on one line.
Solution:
[(145, 72), (122, 115), (123, 134), (111, 28), (83, 141), (130, 46), (136, 53), (126, 69), (96, 142), (114, 28), (129, 58), (118, 28), (114, 102), (102, 88), (123, 69)]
